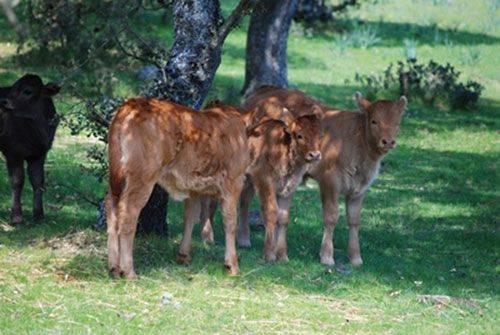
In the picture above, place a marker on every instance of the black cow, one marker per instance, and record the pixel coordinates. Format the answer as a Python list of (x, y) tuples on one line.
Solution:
[(28, 122)]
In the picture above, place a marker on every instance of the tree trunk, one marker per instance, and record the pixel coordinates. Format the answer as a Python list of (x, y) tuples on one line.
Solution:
[(195, 54), (199, 33), (266, 54)]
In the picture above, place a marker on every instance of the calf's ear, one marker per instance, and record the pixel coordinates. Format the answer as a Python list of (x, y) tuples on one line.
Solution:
[(50, 89), (286, 117), (402, 104), (317, 111), (363, 104)]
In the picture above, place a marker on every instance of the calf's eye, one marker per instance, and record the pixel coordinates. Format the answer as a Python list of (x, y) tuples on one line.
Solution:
[(300, 137), (27, 92), (374, 122)]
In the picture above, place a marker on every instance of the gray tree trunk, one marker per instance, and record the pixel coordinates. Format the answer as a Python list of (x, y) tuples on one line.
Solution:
[(266, 54), (195, 54)]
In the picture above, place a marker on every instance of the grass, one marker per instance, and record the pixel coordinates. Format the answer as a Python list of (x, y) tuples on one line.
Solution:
[(429, 233)]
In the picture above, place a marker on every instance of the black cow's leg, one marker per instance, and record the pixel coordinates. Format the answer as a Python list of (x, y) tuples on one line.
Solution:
[(37, 179), (16, 178)]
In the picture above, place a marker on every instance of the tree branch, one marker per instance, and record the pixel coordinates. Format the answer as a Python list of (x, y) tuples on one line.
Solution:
[(129, 53), (243, 7)]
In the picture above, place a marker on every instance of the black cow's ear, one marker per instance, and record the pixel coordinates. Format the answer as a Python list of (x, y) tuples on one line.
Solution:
[(50, 89)]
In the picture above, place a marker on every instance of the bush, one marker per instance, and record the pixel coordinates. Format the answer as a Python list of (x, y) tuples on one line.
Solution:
[(93, 119), (434, 84)]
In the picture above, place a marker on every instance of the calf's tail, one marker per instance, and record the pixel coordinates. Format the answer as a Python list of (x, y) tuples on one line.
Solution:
[(116, 176)]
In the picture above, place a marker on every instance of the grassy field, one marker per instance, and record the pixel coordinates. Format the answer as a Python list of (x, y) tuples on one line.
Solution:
[(430, 224)]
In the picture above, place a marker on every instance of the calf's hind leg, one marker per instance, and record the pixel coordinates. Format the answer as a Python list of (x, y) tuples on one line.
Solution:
[(192, 209), (243, 232), (132, 200), (113, 243), (208, 207)]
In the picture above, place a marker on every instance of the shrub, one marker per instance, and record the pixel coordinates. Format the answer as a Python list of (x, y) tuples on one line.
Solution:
[(93, 119), (434, 84)]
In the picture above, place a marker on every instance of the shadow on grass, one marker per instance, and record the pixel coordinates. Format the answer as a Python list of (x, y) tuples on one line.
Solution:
[(393, 33), (430, 224)]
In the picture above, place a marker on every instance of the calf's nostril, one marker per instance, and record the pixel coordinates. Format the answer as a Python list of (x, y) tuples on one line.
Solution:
[(314, 155)]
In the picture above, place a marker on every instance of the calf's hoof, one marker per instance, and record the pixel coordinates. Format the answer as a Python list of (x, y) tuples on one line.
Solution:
[(356, 261), (270, 257), (244, 243), (114, 272), (282, 257), (183, 259), (232, 269), (327, 260), (207, 237), (131, 275)]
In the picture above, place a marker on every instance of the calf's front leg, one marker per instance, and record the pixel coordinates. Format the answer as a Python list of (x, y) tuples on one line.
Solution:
[(353, 209), (36, 175), (270, 210), (229, 213), (330, 205), (283, 219), (16, 179)]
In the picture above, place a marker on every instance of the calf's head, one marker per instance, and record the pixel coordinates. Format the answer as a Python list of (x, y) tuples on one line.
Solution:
[(26, 96), (382, 121), (306, 131)]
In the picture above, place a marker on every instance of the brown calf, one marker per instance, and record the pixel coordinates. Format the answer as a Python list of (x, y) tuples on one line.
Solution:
[(281, 154), (281, 149), (353, 147), (190, 154)]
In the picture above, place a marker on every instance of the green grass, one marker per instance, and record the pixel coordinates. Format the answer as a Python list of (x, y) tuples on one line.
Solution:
[(429, 224)]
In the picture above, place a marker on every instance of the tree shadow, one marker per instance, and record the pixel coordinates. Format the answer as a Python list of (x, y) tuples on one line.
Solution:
[(391, 34), (430, 223)]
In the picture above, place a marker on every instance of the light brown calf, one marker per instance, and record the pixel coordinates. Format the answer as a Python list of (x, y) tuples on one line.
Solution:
[(190, 154), (282, 147), (353, 147), (281, 154)]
